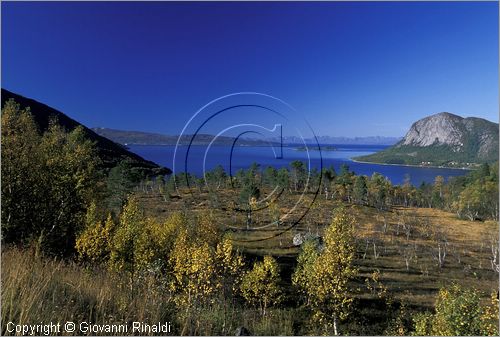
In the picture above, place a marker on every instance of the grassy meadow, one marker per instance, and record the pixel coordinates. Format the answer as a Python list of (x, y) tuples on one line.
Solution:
[(396, 253), (383, 237)]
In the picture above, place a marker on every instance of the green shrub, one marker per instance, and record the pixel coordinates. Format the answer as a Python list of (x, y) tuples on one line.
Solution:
[(458, 312)]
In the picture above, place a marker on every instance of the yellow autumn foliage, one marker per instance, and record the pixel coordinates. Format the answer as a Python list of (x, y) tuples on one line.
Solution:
[(301, 278), (202, 272), (127, 232), (458, 312), (490, 316), (324, 278), (140, 241), (94, 243), (230, 264), (193, 266), (206, 229), (260, 286), (155, 240)]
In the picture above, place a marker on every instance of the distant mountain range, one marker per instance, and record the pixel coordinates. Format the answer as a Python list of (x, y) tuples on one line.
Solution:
[(147, 138), (443, 139), (369, 140), (110, 152)]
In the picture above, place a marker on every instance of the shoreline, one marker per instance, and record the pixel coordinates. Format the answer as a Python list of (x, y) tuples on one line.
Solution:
[(135, 144), (410, 165)]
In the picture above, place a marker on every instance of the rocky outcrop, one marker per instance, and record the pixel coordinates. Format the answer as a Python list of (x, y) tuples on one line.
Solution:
[(441, 128), (443, 139)]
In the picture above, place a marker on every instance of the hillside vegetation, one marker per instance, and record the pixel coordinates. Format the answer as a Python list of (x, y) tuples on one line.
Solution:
[(109, 152), (443, 139), (267, 252)]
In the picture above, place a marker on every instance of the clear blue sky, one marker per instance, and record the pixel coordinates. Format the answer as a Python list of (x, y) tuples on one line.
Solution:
[(353, 69)]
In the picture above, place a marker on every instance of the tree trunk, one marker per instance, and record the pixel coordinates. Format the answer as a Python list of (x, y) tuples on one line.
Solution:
[(335, 331), (249, 219)]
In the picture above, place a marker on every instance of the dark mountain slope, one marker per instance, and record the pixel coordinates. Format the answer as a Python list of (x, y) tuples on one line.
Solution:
[(110, 152)]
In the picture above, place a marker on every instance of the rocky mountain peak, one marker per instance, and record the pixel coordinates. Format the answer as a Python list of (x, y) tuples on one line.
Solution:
[(443, 139), (443, 128)]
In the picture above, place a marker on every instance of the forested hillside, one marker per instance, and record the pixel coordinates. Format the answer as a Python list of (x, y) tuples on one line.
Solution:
[(109, 152), (326, 253)]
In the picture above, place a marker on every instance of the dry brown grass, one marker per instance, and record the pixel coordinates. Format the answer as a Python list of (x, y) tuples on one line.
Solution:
[(468, 244), (41, 290), (37, 289)]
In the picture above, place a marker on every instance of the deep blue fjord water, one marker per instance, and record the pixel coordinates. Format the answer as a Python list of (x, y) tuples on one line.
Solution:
[(244, 156)]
